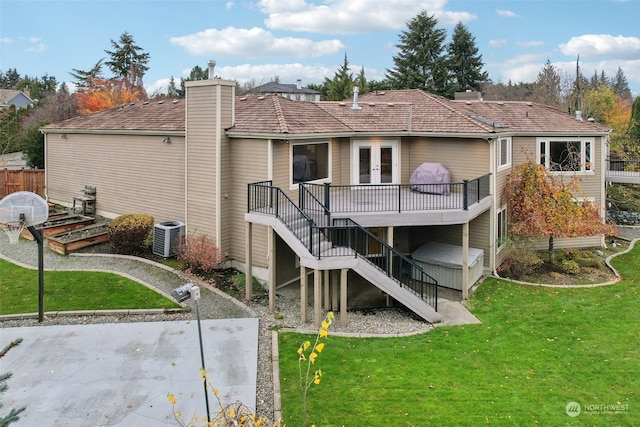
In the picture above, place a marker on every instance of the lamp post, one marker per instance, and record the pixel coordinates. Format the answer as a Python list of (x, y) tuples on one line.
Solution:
[(183, 293)]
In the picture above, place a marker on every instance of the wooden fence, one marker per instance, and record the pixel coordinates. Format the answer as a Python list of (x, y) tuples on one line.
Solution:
[(21, 180)]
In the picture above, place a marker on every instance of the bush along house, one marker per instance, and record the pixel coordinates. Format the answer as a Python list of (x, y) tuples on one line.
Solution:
[(401, 190)]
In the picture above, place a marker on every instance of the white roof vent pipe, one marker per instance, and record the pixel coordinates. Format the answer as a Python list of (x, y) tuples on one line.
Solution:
[(299, 84), (578, 115), (212, 67), (355, 105)]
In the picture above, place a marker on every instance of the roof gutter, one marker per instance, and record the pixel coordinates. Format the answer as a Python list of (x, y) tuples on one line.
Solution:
[(146, 132)]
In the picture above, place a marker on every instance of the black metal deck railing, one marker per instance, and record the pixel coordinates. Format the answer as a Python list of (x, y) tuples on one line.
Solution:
[(346, 233), (339, 237), (399, 197)]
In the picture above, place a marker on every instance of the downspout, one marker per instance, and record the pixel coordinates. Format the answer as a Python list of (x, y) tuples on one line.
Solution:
[(492, 211), (218, 164), (186, 160)]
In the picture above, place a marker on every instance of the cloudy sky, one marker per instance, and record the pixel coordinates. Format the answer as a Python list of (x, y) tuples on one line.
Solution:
[(307, 39)]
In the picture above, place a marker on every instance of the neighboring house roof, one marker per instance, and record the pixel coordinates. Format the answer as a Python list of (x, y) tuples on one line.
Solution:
[(164, 115), (14, 97), (12, 161), (273, 87), (404, 111)]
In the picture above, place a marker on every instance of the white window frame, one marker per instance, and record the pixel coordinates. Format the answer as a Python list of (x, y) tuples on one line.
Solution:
[(501, 224), (507, 164), (294, 185), (586, 168)]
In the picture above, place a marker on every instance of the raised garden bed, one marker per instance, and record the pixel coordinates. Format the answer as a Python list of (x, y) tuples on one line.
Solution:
[(59, 225), (70, 241)]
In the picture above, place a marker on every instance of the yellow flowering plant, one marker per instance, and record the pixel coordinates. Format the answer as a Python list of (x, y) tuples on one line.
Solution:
[(307, 355)]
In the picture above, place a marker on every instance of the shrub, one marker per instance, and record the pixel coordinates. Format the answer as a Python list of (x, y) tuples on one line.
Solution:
[(200, 254), (131, 233), (570, 266), (521, 260)]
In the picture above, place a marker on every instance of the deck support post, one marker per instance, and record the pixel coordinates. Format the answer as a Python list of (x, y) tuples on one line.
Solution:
[(304, 299), (317, 297), (272, 270), (465, 261), (248, 275), (343, 297)]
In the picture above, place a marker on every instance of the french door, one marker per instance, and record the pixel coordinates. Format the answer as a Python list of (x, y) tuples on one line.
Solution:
[(375, 162)]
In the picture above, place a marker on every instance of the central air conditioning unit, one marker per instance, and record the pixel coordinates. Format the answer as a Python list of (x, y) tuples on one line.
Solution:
[(167, 237)]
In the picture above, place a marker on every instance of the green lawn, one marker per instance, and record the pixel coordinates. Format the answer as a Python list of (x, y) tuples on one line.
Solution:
[(537, 350), (73, 290)]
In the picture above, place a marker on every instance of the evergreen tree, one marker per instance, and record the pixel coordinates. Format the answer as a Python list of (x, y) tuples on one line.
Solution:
[(361, 82), (172, 89), (127, 62), (14, 413), (9, 79), (32, 144), (421, 62), (620, 85), (197, 73), (465, 63), (85, 79), (341, 86), (546, 89)]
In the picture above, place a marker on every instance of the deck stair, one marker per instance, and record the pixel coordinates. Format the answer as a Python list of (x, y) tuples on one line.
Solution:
[(342, 243)]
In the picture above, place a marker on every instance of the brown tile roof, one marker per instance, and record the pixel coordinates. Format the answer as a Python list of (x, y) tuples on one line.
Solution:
[(391, 111), (528, 117), (167, 115), (274, 114)]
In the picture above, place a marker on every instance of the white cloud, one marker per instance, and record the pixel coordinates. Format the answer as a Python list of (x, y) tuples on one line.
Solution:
[(5, 40), (253, 43), (530, 43), (498, 42), (506, 13), (37, 48), (278, 6), (354, 16), (229, 5), (602, 45)]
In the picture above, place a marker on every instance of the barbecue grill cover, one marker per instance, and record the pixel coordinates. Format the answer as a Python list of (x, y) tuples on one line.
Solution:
[(431, 178)]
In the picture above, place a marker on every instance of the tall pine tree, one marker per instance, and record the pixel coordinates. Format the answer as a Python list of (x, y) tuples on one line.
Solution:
[(620, 85), (341, 86), (127, 62), (422, 61), (465, 63), (546, 89)]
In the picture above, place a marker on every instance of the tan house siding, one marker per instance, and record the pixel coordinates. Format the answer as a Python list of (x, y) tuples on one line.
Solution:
[(205, 126), (342, 162), (131, 173), (249, 163), (463, 158), (479, 235), (282, 166)]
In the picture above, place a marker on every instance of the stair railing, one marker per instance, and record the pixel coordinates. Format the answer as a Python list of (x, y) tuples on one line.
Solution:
[(347, 233), (343, 233)]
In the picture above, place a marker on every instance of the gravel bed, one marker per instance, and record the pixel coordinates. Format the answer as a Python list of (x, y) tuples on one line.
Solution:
[(213, 305)]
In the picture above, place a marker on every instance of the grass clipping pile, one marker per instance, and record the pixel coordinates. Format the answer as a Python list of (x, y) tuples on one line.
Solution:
[(584, 266)]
